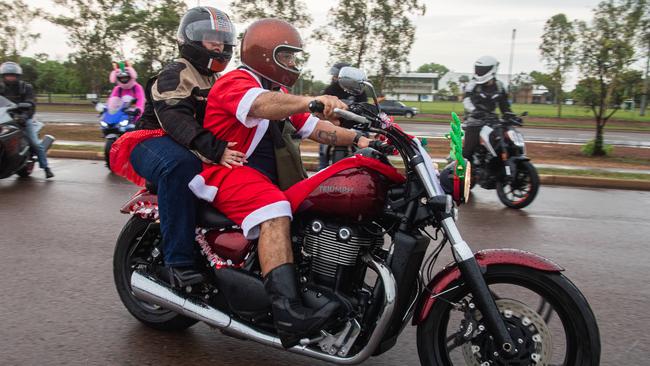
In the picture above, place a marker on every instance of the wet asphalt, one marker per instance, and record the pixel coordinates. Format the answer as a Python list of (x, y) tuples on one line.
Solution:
[(58, 304)]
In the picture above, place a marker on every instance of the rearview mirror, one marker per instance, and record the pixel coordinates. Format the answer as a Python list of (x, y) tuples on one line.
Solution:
[(352, 80)]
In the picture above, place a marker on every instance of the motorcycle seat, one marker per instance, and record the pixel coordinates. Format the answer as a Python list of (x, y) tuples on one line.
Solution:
[(207, 216), (210, 217)]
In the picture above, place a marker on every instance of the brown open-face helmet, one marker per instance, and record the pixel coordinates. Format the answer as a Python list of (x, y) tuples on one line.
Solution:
[(269, 48)]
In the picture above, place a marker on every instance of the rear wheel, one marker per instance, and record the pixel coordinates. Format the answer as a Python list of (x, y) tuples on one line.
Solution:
[(408, 114), (27, 170), (547, 316), (521, 191), (134, 249)]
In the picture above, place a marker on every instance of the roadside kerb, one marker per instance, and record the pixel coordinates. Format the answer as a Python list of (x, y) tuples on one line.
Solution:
[(312, 165)]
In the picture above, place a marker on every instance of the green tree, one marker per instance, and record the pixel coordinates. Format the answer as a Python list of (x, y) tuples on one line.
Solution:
[(153, 24), (91, 29), (644, 45), (292, 11), (374, 34), (348, 33), (547, 80), (15, 37), (605, 53), (558, 51), (434, 67)]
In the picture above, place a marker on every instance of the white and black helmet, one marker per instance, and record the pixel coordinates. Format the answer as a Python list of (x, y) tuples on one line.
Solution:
[(485, 69), (11, 68)]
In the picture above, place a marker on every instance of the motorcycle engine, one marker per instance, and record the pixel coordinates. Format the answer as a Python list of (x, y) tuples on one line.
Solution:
[(333, 250)]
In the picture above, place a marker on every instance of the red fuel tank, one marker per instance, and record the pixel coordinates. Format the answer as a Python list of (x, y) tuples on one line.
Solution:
[(357, 194)]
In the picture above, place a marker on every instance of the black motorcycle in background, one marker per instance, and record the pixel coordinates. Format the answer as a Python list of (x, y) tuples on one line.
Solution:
[(500, 162), (16, 157)]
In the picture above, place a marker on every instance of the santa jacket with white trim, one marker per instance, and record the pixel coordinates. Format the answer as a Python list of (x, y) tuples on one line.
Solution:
[(226, 116)]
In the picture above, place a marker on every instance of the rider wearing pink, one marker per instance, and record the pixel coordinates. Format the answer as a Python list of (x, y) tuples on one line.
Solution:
[(125, 76)]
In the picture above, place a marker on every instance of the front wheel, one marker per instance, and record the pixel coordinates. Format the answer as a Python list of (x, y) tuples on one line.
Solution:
[(107, 152), (134, 249), (521, 191), (408, 114), (546, 315)]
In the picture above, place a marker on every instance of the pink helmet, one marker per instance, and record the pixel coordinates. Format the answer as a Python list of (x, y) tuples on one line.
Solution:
[(123, 75)]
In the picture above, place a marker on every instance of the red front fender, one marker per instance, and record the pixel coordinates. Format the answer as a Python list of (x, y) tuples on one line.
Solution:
[(484, 258)]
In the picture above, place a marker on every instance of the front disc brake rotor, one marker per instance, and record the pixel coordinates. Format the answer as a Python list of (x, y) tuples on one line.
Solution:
[(528, 330)]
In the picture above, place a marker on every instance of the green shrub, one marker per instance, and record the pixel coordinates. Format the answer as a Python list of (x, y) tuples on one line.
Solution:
[(588, 148)]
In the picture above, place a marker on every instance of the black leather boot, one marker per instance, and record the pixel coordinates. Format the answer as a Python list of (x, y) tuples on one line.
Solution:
[(180, 277), (48, 173), (292, 319)]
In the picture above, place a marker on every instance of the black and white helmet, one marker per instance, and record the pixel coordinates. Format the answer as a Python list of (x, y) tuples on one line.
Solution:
[(11, 68), (485, 69)]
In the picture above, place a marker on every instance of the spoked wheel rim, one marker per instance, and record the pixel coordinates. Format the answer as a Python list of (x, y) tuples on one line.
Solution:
[(519, 190), (546, 348)]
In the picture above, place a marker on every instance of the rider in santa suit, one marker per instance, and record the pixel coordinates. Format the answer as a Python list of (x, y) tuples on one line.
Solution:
[(250, 107)]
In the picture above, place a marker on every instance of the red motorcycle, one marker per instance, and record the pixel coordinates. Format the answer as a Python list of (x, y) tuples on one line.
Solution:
[(361, 235)]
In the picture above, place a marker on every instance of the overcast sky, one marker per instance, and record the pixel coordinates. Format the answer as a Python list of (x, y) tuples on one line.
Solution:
[(452, 33)]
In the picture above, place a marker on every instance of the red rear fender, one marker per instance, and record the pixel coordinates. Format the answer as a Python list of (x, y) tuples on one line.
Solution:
[(484, 258), (142, 203)]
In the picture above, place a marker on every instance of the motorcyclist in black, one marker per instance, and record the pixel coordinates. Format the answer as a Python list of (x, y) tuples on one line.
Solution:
[(335, 89), (175, 102), (19, 91), (482, 95)]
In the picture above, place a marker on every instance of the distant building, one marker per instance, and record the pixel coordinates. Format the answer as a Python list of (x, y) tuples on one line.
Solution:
[(531, 94), (425, 87), (412, 86)]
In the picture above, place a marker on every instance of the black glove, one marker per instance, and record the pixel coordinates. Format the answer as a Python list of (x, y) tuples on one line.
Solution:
[(382, 147)]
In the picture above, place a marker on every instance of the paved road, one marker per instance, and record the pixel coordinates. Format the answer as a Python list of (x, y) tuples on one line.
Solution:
[(434, 130), (59, 306)]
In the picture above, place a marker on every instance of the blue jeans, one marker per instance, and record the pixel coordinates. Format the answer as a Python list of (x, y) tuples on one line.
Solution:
[(170, 166), (31, 133)]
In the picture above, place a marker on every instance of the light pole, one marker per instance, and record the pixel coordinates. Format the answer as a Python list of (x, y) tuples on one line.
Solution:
[(512, 52)]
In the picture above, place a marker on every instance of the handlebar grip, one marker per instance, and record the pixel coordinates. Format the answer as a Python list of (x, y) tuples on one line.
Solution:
[(316, 106), (351, 116)]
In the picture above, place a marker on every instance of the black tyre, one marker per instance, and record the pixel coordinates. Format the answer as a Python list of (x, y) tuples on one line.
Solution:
[(27, 170), (107, 152), (408, 114), (548, 318), (522, 190), (128, 256)]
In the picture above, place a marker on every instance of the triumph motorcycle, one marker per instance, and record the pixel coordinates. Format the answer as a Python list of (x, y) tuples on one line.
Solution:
[(16, 157), (361, 236), (500, 162)]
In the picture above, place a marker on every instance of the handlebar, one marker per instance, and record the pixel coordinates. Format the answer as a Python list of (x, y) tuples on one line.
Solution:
[(351, 116)]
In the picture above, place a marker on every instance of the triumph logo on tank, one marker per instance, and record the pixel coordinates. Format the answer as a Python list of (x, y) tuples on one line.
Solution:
[(336, 189)]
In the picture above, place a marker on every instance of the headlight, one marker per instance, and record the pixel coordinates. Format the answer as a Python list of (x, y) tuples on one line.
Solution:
[(124, 123), (516, 138), (103, 124)]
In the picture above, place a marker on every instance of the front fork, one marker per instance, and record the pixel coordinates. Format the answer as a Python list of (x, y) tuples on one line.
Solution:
[(473, 278), (469, 268)]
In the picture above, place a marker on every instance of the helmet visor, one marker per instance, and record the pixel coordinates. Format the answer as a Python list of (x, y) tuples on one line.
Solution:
[(482, 70), (207, 30), (288, 58), (123, 79)]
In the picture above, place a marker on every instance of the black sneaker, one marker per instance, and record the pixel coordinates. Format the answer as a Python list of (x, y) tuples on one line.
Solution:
[(48, 173), (180, 277)]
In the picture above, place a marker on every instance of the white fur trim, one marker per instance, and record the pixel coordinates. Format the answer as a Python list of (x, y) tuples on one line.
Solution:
[(259, 134), (245, 105), (251, 223), (201, 190), (308, 127)]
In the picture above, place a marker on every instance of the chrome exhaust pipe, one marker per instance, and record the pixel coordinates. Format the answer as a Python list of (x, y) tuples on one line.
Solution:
[(150, 289)]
